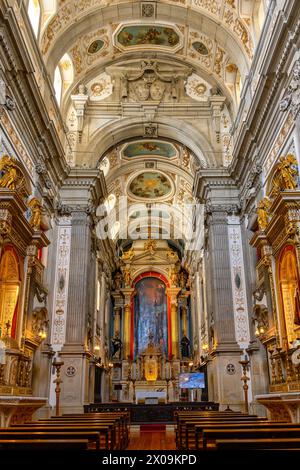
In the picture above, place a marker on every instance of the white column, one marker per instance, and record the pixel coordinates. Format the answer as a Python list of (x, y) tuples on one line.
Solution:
[(241, 320)]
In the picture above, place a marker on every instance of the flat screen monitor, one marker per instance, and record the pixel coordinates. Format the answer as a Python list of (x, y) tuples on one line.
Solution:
[(192, 380)]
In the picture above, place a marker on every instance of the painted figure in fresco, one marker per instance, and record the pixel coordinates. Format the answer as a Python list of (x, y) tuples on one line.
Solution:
[(185, 346), (116, 346)]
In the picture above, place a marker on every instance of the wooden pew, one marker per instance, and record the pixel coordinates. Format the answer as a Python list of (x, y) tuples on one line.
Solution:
[(290, 444), (120, 421), (123, 419), (199, 428), (104, 430), (256, 433), (37, 444), (186, 424), (93, 437)]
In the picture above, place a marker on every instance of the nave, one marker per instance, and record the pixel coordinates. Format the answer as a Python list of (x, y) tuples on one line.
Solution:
[(149, 225)]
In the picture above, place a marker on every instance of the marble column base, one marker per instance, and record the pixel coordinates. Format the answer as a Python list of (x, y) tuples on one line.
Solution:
[(18, 409), (281, 406)]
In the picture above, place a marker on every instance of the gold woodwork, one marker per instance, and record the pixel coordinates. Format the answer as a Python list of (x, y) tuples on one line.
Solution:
[(9, 172), (285, 175), (11, 176), (289, 288), (9, 289)]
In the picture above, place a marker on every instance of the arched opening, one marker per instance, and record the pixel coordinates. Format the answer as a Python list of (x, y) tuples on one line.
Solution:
[(9, 292), (290, 291)]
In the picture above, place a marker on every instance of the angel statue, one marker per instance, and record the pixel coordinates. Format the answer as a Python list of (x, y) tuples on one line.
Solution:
[(9, 175), (36, 209)]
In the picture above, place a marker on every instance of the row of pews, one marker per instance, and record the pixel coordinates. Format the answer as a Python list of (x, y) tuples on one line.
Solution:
[(83, 432), (217, 430)]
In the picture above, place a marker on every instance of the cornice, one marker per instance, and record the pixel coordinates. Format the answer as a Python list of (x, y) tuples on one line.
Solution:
[(258, 114)]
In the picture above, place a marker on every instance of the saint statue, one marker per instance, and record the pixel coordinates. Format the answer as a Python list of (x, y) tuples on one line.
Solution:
[(287, 168), (116, 346), (185, 346), (8, 173), (118, 281), (262, 213), (36, 210)]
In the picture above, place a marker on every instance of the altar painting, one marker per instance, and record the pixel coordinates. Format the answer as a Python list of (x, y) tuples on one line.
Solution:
[(150, 314)]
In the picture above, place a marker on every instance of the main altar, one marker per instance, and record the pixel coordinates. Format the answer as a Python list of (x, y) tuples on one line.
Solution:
[(151, 329)]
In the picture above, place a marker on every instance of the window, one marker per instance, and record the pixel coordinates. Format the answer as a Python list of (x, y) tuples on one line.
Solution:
[(57, 84), (34, 13)]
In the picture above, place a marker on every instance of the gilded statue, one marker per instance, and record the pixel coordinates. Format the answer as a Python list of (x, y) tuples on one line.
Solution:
[(128, 255), (127, 276), (36, 211), (262, 213), (9, 174), (288, 171)]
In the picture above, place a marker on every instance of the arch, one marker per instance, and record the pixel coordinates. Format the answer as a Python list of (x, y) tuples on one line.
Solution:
[(10, 285), (288, 276), (60, 28), (174, 129)]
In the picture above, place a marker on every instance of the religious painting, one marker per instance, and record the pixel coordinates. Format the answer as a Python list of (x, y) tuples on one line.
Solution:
[(149, 147), (150, 315), (148, 34), (95, 46), (200, 48), (150, 185)]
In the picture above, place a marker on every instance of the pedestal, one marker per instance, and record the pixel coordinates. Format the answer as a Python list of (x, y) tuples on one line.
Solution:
[(281, 406), (18, 410)]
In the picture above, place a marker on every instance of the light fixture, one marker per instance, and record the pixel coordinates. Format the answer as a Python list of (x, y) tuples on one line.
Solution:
[(97, 348), (261, 330), (257, 332)]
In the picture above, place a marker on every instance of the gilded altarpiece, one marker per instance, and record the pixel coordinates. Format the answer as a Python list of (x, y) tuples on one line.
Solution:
[(23, 312), (278, 247)]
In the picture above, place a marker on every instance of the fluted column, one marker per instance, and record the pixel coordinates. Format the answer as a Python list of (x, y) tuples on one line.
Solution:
[(224, 328), (79, 281)]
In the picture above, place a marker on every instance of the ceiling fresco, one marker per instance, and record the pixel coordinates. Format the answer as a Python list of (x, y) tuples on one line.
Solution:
[(150, 185), (149, 147), (137, 35)]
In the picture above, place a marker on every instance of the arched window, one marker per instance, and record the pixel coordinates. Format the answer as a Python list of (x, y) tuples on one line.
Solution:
[(57, 85), (34, 13)]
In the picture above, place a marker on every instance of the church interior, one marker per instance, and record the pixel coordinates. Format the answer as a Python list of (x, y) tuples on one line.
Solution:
[(149, 224)]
